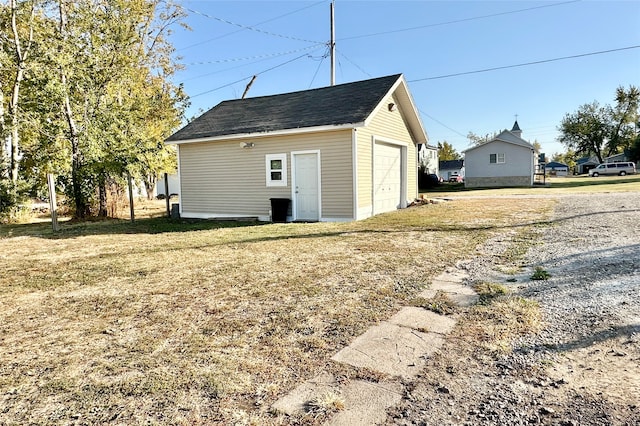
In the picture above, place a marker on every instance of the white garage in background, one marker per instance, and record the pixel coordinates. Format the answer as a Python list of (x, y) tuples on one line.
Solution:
[(338, 153)]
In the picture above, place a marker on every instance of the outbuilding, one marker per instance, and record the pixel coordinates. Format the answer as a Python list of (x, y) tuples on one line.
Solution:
[(555, 168), (338, 153), (504, 161)]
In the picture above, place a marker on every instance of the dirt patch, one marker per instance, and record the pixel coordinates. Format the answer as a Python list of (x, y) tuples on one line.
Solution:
[(582, 367)]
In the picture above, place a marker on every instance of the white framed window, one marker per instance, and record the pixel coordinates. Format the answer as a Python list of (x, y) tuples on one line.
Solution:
[(496, 158), (276, 168)]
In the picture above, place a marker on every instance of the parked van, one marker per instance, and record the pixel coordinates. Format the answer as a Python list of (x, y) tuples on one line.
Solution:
[(620, 169)]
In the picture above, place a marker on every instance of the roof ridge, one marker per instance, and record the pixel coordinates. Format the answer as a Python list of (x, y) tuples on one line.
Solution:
[(369, 80)]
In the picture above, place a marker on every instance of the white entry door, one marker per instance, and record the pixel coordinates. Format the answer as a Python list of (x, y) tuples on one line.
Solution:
[(387, 179), (306, 186)]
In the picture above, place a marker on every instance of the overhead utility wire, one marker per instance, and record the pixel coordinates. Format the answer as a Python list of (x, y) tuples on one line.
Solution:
[(218, 71), (249, 28), (456, 21), (323, 57), (441, 123), (353, 63), (254, 25), (524, 64), (248, 58), (244, 78)]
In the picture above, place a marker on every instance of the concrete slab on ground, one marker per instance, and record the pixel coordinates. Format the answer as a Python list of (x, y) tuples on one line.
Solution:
[(456, 276), (296, 400), (391, 349), (450, 287), (459, 294), (464, 300), (423, 320), (366, 403)]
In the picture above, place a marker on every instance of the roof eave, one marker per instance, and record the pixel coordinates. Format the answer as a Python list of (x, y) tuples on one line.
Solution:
[(326, 128)]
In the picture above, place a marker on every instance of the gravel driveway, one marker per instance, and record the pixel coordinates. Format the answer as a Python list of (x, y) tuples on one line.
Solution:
[(584, 367)]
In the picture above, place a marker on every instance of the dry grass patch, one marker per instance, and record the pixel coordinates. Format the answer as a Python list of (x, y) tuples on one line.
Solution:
[(499, 319), (176, 322)]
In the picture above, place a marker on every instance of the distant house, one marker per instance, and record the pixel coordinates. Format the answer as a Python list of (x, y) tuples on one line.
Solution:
[(622, 157), (555, 168), (428, 158), (506, 160), (450, 168), (584, 164), (338, 153)]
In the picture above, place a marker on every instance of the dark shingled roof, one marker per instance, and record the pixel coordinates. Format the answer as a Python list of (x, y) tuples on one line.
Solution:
[(348, 103)]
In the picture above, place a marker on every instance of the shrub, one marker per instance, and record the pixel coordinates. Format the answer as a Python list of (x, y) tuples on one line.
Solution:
[(11, 197)]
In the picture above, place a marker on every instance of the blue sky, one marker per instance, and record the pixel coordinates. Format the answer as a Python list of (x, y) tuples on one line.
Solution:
[(284, 44)]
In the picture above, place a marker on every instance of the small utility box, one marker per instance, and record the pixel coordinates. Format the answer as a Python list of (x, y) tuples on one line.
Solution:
[(279, 209), (175, 211)]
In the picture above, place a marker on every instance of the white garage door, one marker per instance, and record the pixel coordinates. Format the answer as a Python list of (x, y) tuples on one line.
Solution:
[(387, 180)]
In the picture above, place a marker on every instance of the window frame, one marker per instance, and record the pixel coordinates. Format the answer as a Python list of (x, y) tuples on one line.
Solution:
[(269, 170), (498, 157)]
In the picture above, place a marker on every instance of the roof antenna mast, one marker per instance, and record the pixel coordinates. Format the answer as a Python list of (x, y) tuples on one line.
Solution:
[(332, 46), (246, 89)]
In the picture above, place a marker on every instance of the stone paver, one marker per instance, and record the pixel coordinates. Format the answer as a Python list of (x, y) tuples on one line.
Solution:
[(398, 347), (296, 400), (449, 287), (464, 300), (366, 403), (459, 294), (423, 320), (455, 276), (391, 349)]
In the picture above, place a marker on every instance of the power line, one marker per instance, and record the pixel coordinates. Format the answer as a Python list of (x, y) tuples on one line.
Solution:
[(323, 57), (353, 63), (248, 58), (244, 78), (457, 21), (441, 123), (222, 70), (245, 27), (255, 25), (525, 64)]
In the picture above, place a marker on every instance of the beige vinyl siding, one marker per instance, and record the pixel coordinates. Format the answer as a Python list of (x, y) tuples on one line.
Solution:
[(337, 176), (221, 178), (390, 125)]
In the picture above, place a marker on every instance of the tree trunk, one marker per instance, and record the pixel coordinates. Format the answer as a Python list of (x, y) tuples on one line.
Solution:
[(102, 191), (21, 53), (79, 199), (150, 183), (13, 150), (2, 132)]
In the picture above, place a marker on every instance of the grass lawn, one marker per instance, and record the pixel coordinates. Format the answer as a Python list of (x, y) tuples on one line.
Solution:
[(554, 185), (175, 322)]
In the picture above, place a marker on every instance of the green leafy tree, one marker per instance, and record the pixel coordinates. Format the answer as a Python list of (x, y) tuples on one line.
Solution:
[(106, 54), (586, 130), (634, 149), (624, 119), (446, 151), (568, 158), (602, 130), (475, 139), (536, 146), (17, 21)]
